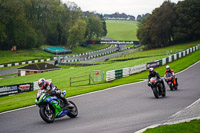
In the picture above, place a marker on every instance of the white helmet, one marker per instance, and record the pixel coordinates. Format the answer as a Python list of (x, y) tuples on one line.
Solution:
[(151, 69), (167, 67), (41, 82)]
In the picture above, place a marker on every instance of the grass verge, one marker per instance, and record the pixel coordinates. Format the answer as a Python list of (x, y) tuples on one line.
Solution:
[(13, 74), (187, 127), (8, 56), (26, 99), (156, 52)]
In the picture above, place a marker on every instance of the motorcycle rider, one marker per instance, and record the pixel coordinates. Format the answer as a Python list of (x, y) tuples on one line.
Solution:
[(52, 90), (153, 73), (168, 70)]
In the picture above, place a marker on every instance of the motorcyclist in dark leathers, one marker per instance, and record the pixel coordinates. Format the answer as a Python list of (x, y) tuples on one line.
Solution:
[(153, 73)]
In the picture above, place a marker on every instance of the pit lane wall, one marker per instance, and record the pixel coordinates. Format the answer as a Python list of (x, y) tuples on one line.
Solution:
[(124, 72)]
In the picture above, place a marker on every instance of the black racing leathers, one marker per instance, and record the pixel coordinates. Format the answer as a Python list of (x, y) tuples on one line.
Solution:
[(157, 75)]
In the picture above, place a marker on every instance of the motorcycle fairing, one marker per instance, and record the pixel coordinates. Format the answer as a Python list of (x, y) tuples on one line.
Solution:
[(62, 113)]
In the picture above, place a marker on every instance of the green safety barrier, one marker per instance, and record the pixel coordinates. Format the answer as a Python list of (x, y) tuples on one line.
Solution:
[(118, 74)]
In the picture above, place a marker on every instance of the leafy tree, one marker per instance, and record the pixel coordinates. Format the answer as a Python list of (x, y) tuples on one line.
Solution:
[(157, 30), (187, 26), (104, 25), (163, 20), (143, 31), (31, 23), (139, 17), (94, 27), (76, 33)]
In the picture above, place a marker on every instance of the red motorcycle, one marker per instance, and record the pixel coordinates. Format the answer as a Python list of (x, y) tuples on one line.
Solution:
[(171, 81)]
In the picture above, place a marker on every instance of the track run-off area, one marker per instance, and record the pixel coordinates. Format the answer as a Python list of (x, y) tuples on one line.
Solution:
[(122, 109)]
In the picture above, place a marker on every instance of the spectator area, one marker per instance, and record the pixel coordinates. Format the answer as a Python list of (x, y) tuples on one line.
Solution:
[(57, 50)]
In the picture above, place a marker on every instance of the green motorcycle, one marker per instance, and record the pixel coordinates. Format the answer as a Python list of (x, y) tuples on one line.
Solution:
[(52, 107)]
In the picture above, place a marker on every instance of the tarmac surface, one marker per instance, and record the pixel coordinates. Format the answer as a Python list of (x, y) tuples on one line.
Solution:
[(121, 109), (191, 112), (8, 71)]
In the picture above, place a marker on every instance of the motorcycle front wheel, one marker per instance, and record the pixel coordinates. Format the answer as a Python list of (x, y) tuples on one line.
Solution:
[(163, 92), (47, 114), (171, 87), (155, 92)]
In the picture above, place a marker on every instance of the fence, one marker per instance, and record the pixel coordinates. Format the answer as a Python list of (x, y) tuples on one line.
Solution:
[(116, 74), (85, 78)]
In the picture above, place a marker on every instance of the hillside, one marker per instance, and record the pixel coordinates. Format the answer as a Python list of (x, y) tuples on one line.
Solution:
[(122, 30)]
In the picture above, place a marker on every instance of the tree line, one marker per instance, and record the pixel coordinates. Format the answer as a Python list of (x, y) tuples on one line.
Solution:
[(119, 16), (32, 23), (171, 23)]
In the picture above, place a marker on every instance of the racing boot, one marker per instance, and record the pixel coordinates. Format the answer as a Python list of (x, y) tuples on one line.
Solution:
[(67, 104)]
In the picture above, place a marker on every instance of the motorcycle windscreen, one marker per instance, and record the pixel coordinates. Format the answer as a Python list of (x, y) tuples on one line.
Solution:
[(168, 74)]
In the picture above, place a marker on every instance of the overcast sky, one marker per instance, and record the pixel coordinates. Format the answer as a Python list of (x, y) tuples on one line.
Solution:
[(130, 7)]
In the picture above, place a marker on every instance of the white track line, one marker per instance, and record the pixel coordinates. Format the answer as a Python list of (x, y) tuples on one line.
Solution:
[(96, 91)]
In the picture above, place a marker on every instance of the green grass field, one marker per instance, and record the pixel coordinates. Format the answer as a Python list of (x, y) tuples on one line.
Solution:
[(122, 30), (156, 52), (66, 73), (61, 79), (119, 30), (24, 55), (187, 127)]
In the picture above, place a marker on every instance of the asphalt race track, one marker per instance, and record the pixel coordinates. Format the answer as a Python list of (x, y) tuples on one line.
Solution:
[(122, 109)]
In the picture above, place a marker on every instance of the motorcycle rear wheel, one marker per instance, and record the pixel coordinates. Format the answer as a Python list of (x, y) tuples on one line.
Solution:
[(176, 87), (47, 115)]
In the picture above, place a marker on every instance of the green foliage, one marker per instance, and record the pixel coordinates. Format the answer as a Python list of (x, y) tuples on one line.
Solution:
[(171, 23), (104, 25), (77, 33), (94, 29), (32, 23), (157, 28), (187, 26)]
